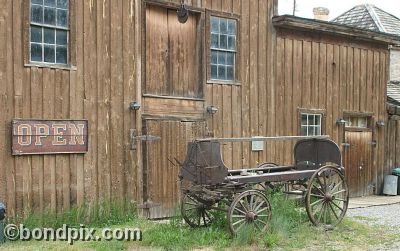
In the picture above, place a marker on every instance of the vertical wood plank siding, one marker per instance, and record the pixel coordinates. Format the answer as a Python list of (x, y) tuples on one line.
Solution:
[(392, 150), (99, 87), (338, 76), (277, 75)]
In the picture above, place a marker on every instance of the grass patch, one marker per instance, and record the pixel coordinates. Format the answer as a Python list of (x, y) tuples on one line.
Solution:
[(289, 229), (99, 215)]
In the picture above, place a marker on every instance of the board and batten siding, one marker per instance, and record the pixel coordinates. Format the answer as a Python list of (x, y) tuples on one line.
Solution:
[(276, 76), (392, 152), (98, 87), (106, 76), (336, 75)]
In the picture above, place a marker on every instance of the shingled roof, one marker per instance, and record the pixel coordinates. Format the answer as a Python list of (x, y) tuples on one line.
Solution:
[(370, 17)]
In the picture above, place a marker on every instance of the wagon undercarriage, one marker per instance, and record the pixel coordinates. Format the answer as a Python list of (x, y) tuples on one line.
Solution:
[(208, 186)]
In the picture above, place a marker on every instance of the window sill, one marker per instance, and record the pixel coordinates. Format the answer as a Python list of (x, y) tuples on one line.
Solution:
[(221, 82), (357, 129), (52, 66)]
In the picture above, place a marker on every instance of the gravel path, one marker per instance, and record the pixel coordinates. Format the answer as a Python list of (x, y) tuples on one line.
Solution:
[(383, 215), (387, 215)]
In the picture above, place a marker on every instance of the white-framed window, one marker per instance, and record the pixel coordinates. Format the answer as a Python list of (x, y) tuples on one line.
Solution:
[(357, 122), (223, 48), (49, 31), (311, 124)]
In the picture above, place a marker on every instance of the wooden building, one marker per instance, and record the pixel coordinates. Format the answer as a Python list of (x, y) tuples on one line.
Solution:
[(134, 71)]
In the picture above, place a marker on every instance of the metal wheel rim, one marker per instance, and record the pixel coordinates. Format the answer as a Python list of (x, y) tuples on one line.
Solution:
[(195, 213), (327, 197), (249, 208)]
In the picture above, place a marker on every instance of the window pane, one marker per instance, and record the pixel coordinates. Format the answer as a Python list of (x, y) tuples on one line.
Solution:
[(223, 41), (311, 131), (318, 130), (310, 119), (37, 1), (36, 52), (61, 55), (362, 122), (62, 4), (231, 42), (232, 27), (223, 60), (214, 25), (223, 25), (214, 74), (221, 57), (214, 57), (303, 119), (62, 19), (36, 34), (221, 72), (317, 120), (304, 131), (51, 3), (50, 16), (229, 73), (37, 14), (214, 41), (61, 37), (49, 53), (230, 58), (49, 36)]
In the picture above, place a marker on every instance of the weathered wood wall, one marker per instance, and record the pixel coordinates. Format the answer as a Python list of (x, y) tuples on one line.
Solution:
[(99, 88), (334, 74), (244, 108), (392, 152), (105, 77), (276, 76)]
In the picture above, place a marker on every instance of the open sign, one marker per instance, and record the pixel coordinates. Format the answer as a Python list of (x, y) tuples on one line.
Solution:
[(49, 136)]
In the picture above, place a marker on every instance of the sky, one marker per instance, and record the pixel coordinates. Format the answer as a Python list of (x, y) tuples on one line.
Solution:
[(336, 7)]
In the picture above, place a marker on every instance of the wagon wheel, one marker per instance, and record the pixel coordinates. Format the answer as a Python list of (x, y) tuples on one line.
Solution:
[(195, 213), (327, 197), (250, 207)]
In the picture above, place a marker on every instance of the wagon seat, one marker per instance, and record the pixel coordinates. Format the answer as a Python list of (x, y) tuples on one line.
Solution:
[(314, 153), (203, 164)]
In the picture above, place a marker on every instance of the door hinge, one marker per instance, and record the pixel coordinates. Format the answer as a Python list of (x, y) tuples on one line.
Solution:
[(372, 143), (135, 138), (346, 145)]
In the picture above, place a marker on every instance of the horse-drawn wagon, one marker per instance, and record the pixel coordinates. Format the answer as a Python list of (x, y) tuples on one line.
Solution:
[(317, 174)]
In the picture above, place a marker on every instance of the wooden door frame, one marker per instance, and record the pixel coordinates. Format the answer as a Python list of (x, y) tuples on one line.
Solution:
[(370, 128)]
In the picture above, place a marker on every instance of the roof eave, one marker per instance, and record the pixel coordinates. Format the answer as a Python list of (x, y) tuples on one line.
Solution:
[(312, 25)]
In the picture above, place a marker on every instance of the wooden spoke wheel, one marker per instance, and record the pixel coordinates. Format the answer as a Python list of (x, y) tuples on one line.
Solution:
[(249, 208), (327, 197), (195, 213)]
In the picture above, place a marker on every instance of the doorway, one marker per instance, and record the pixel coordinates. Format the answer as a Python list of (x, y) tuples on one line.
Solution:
[(358, 154)]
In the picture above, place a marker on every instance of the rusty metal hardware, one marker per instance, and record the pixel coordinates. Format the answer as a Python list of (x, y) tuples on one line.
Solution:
[(135, 138), (344, 144), (148, 204), (182, 13)]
